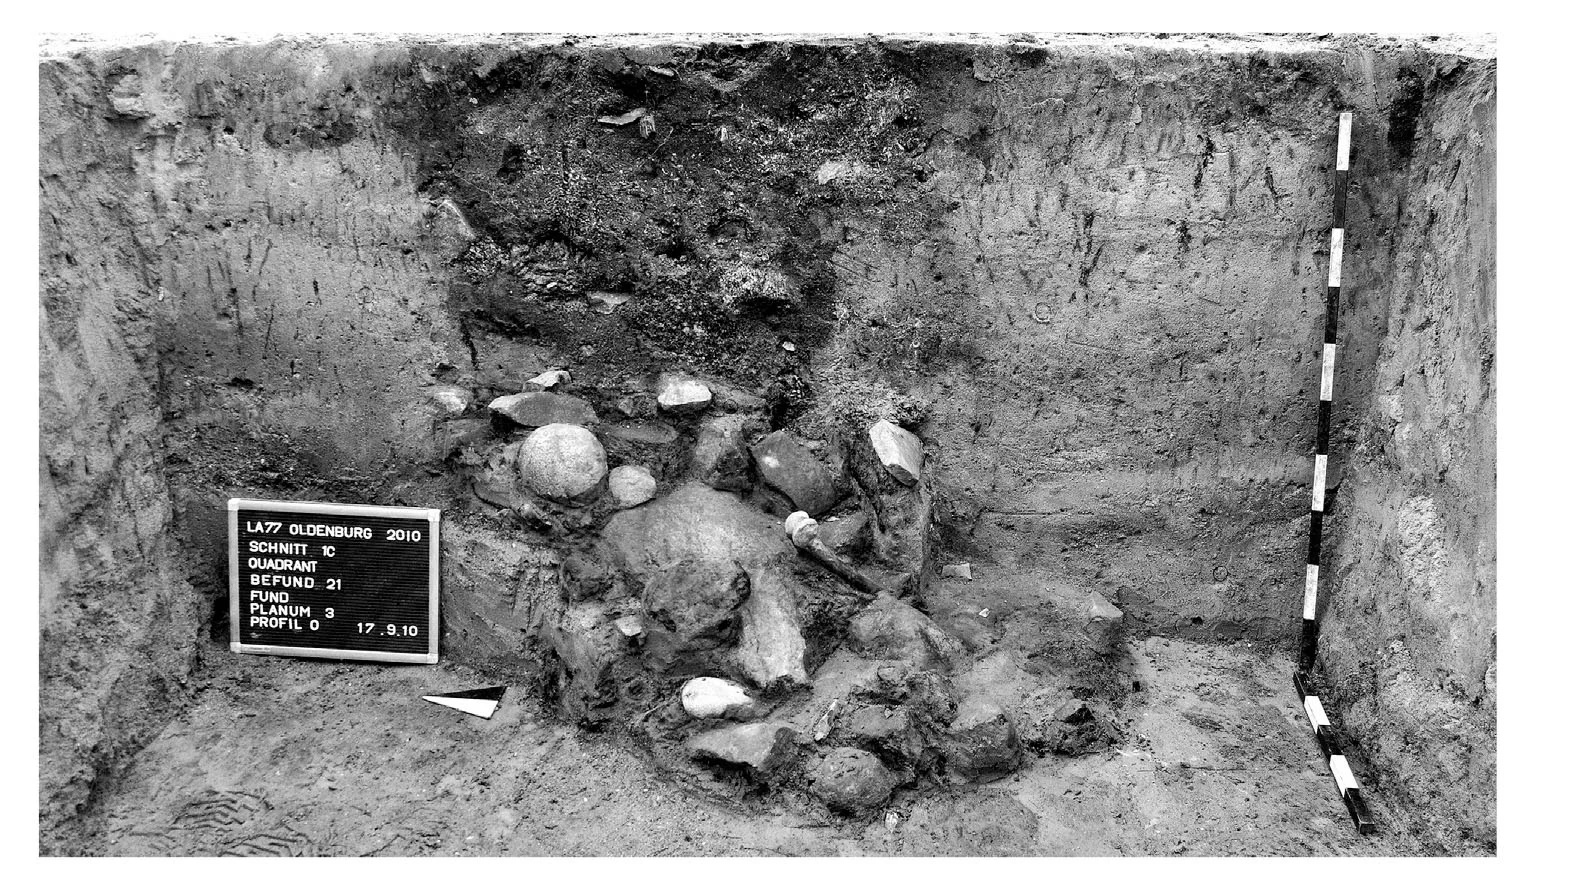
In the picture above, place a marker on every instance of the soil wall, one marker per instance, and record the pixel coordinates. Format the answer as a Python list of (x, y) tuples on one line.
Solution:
[(1089, 273), (1409, 639)]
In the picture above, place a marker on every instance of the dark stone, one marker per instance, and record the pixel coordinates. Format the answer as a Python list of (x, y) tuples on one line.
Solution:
[(929, 693), (588, 645), (983, 744), (1075, 729), (847, 535), (890, 629), (852, 780), (696, 602), (721, 459), (903, 537), (791, 469), (583, 578)]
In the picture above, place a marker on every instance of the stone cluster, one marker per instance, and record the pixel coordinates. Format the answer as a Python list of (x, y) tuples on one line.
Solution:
[(711, 567)]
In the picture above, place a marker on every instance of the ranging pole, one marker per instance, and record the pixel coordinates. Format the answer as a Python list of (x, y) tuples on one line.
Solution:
[(1326, 735), (1324, 405)]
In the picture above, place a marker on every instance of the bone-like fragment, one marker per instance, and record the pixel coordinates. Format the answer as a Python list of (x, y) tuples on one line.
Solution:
[(801, 528)]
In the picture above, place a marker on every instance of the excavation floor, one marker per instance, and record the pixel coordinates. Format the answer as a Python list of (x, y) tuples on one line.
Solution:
[(282, 756)]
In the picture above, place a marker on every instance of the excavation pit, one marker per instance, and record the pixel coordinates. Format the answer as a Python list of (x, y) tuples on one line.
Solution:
[(1026, 329)]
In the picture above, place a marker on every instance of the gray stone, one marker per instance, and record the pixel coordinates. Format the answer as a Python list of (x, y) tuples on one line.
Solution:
[(960, 570), (561, 461), (747, 285), (551, 380), (890, 629), (974, 627), (759, 746), (682, 395), (694, 522), (543, 409), (1103, 621), (630, 626), (983, 745), (604, 302), (715, 698), (770, 643), (852, 780), (1099, 608), (648, 432), (631, 485), (791, 469), (450, 401), (899, 451), (721, 459)]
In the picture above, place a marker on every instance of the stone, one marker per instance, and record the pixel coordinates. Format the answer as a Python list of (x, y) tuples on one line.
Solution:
[(630, 626), (899, 450), (984, 744), (543, 409), (1103, 621), (875, 722), (721, 459), (682, 395), (631, 485), (960, 570), (636, 405), (715, 698), (852, 780), (587, 645), (746, 286), (760, 746), (696, 602), (551, 380), (887, 731), (605, 302), (846, 535), (623, 119), (791, 469), (928, 693), (694, 522), (583, 578), (973, 626), (1074, 729), (890, 629), (903, 536), (651, 432), (770, 642), (1098, 608), (561, 461), (451, 401)]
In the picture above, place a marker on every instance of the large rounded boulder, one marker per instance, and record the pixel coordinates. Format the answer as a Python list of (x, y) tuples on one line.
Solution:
[(562, 461)]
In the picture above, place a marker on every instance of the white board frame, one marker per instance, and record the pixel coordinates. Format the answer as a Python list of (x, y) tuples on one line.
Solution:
[(433, 515)]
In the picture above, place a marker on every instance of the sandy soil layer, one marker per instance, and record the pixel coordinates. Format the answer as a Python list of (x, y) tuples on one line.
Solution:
[(287, 757)]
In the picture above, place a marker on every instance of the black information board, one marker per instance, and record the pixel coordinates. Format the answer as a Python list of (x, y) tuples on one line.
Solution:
[(335, 580)]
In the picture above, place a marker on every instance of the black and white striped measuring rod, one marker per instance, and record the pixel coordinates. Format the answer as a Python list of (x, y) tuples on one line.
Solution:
[(1327, 740), (1324, 406)]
